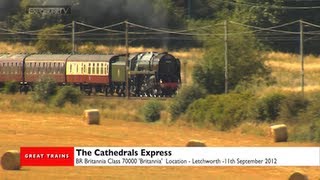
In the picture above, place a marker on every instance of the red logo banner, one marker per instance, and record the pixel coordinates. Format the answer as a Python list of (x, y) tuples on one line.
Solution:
[(47, 156)]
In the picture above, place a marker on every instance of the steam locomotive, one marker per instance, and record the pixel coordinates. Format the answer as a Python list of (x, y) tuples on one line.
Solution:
[(149, 73)]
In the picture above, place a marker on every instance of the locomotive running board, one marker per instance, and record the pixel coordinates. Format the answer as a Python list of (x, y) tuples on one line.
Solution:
[(141, 72)]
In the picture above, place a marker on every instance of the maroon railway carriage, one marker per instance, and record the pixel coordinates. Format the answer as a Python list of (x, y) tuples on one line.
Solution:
[(90, 72), (46, 65), (11, 68)]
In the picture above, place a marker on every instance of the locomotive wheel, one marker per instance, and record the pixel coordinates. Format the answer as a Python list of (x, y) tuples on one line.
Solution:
[(106, 91)]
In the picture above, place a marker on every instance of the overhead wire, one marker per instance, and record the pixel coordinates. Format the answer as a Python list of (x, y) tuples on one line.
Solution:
[(265, 6), (261, 32)]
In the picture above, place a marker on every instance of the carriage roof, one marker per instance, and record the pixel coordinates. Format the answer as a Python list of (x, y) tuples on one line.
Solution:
[(12, 57), (91, 57)]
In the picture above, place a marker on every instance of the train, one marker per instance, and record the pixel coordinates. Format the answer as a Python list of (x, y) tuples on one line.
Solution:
[(149, 73)]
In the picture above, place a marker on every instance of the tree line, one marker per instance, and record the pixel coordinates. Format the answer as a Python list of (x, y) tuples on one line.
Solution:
[(244, 45), (172, 14)]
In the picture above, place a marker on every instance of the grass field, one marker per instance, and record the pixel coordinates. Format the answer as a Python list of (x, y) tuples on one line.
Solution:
[(286, 68), (26, 129)]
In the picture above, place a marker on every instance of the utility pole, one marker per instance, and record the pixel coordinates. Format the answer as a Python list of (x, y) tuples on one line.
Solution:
[(73, 37), (301, 58), (127, 59), (225, 56)]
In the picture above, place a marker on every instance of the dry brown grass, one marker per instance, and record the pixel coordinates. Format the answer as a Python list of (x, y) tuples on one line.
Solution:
[(286, 68), (25, 129), (16, 48)]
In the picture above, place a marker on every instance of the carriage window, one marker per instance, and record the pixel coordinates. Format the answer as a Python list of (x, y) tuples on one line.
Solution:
[(89, 68), (93, 68), (61, 68), (77, 68), (84, 68), (34, 68), (58, 68), (38, 70), (98, 70), (54, 68), (8, 67), (70, 68), (43, 69), (49, 68), (16, 68)]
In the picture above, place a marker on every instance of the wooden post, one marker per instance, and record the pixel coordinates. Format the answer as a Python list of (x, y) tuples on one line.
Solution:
[(225, 57), (301, 58)]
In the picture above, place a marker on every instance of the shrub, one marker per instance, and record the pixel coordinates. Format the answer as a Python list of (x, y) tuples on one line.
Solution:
[(187, 95), (268, 107), (300, 132), (151, 111), (315, 130), (11, 87), (292, 106), (67, 94), (44, 90), (222, 111), (244, 62)]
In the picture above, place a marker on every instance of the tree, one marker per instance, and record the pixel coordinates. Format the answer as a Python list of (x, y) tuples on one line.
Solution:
[(263, 13), (49, 41), (244, 60)]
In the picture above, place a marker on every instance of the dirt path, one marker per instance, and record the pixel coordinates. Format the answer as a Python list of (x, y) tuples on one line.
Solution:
[(21, 129)]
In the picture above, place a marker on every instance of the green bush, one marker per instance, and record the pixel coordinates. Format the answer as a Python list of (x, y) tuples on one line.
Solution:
[(292, 107), (315, 130), (52, 44), (222, 111), (268, 108), (151, 111), (67, 94), (185, 97), (11, 87), (299, 132), (44, 90)]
